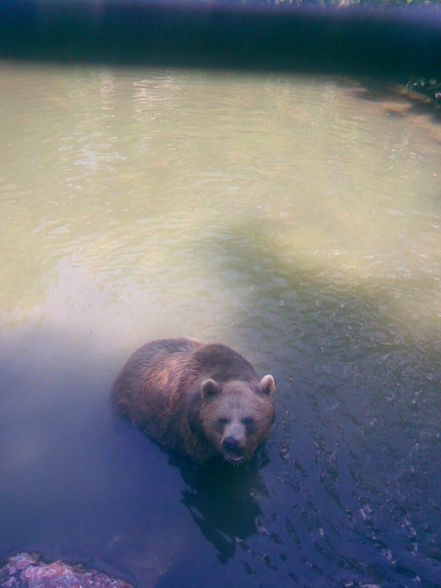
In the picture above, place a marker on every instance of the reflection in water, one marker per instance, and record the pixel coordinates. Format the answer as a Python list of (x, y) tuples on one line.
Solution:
[(295, 219), (223, 502)]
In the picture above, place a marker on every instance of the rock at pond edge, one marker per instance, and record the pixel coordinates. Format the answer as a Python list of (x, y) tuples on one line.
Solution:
[(29, 570)]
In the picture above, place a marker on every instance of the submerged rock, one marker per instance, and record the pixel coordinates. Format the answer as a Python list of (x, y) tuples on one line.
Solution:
[(29, 570)]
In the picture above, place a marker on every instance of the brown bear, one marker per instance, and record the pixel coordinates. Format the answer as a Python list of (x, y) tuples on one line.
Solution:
[(199, 400)]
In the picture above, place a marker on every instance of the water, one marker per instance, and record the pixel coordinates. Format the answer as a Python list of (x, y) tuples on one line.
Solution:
[(296, 219)]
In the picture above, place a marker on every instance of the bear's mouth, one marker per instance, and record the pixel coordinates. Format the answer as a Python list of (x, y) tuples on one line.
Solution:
[(234, 458)]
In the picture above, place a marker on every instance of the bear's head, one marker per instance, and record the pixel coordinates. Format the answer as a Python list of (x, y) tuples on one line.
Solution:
[(236, 416)]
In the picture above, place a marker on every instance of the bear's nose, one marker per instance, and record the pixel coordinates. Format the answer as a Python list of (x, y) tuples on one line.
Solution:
[(231, 445)]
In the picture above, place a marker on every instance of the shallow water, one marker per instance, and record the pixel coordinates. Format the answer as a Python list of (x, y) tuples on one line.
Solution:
[(296, 219)]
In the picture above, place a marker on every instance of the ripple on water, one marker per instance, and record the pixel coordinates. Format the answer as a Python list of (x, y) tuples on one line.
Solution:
[(291, 218)]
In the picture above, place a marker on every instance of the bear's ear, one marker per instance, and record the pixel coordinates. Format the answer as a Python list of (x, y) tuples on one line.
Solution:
[(209, 388), (267, 385)]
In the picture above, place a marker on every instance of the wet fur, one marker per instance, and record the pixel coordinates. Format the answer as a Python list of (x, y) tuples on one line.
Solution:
[(158, 389)]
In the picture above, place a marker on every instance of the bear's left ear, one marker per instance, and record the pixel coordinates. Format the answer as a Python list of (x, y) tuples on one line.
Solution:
[(209, 388), (267, 385)]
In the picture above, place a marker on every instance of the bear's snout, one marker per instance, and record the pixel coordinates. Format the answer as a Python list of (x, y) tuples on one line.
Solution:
[(232, 450), (231, 445)]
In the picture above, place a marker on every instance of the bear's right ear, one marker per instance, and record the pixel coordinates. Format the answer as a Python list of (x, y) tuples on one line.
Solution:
[(209, 388)]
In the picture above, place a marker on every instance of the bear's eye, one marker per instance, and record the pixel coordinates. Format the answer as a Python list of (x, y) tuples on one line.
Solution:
[(222, 421), (248, 421)]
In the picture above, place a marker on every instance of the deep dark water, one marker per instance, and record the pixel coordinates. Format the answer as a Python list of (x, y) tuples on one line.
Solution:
[(345, 492)]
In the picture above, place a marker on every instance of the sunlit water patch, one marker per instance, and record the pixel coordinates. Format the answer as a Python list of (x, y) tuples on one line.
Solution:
[(295, 219)]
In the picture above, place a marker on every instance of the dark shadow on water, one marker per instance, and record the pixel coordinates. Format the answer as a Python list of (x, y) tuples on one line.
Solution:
[(79, 484), (353, 456), (222, 35), (223, 500), (345, 489)]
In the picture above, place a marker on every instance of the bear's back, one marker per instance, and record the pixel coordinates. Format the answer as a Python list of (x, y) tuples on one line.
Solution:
[(149, 380), (158, 389)]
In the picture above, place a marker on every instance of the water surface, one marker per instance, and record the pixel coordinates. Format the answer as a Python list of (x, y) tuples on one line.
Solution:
[(296, 219)]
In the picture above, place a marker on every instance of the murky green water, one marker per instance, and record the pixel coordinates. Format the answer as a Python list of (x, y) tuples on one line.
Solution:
[(295, 219)]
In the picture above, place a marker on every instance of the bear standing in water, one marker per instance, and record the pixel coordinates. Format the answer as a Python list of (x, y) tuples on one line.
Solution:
[(199, 400)]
